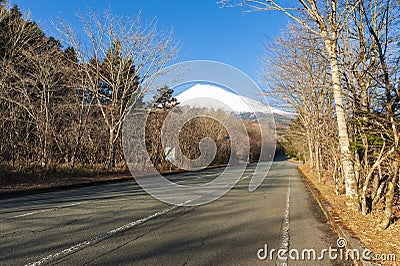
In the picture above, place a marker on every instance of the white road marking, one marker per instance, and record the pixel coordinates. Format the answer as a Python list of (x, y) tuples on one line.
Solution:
[(75, 204), (40, 211), (284, 234), (245, 177), (108, 234), (192, 179), (121, 198), (102, 237), (199, 177)]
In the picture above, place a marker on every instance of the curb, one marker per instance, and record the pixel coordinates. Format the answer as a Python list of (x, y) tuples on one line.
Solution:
[(334, 220)]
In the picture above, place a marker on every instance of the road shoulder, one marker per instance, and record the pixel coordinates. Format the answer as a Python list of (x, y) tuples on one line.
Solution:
[(358, 231)]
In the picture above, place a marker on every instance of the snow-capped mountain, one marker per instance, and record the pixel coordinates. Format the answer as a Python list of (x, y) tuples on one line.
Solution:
[(210, 96)]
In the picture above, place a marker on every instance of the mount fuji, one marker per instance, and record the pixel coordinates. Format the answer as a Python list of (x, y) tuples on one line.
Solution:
[(210, 96)]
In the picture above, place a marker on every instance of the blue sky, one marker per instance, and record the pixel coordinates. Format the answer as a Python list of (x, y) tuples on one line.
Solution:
[(205, 30)]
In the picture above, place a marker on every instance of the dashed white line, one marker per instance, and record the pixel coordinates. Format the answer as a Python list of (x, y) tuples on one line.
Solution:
[(60, 207), (40, 211), (284, 234), (102, 237), (108, 234)]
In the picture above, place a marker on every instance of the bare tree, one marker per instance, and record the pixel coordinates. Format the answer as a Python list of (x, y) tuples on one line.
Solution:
[(118, 55), (296, 72), (367, 53), (380, 16), (369, 69), (31, 79), (325, 20)]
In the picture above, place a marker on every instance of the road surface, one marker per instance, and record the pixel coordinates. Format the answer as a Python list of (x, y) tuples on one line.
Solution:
[(120, 224)]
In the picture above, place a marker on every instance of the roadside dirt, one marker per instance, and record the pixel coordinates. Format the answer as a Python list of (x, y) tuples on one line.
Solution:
[(382, 243)]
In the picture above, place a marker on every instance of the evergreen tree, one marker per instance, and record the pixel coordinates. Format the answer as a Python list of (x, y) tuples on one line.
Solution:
[(164, 99)]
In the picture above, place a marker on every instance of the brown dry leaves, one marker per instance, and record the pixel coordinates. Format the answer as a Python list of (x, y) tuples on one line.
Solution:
[(362, 227)]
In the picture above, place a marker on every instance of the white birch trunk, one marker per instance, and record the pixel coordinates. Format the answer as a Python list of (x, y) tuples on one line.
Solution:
[(352, 199)]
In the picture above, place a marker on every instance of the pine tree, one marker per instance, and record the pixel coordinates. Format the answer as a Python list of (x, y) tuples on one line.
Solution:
[(164, 99)]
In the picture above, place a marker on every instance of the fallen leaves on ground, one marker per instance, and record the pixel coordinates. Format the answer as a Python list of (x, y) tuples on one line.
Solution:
[(363, 227)]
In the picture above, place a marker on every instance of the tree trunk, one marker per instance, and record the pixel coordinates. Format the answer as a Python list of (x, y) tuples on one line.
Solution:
[(375, 186), (389, 199), (378, 194), (318, 160), (111, 152), (335, 177), (364, 208), (388, 207), (310, 149), (352, 199)]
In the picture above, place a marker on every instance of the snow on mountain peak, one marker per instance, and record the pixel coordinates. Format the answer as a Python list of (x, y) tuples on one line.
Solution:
[(210, 96)]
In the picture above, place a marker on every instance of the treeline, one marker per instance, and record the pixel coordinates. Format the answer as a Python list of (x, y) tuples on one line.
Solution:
[(62, 107), (242, 144), (301, 69)]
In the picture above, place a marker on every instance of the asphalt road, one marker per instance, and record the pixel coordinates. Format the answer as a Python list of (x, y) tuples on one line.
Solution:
[(120, 224)]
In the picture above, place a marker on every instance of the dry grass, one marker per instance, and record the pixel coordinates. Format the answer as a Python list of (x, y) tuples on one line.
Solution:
[(361, 226)]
